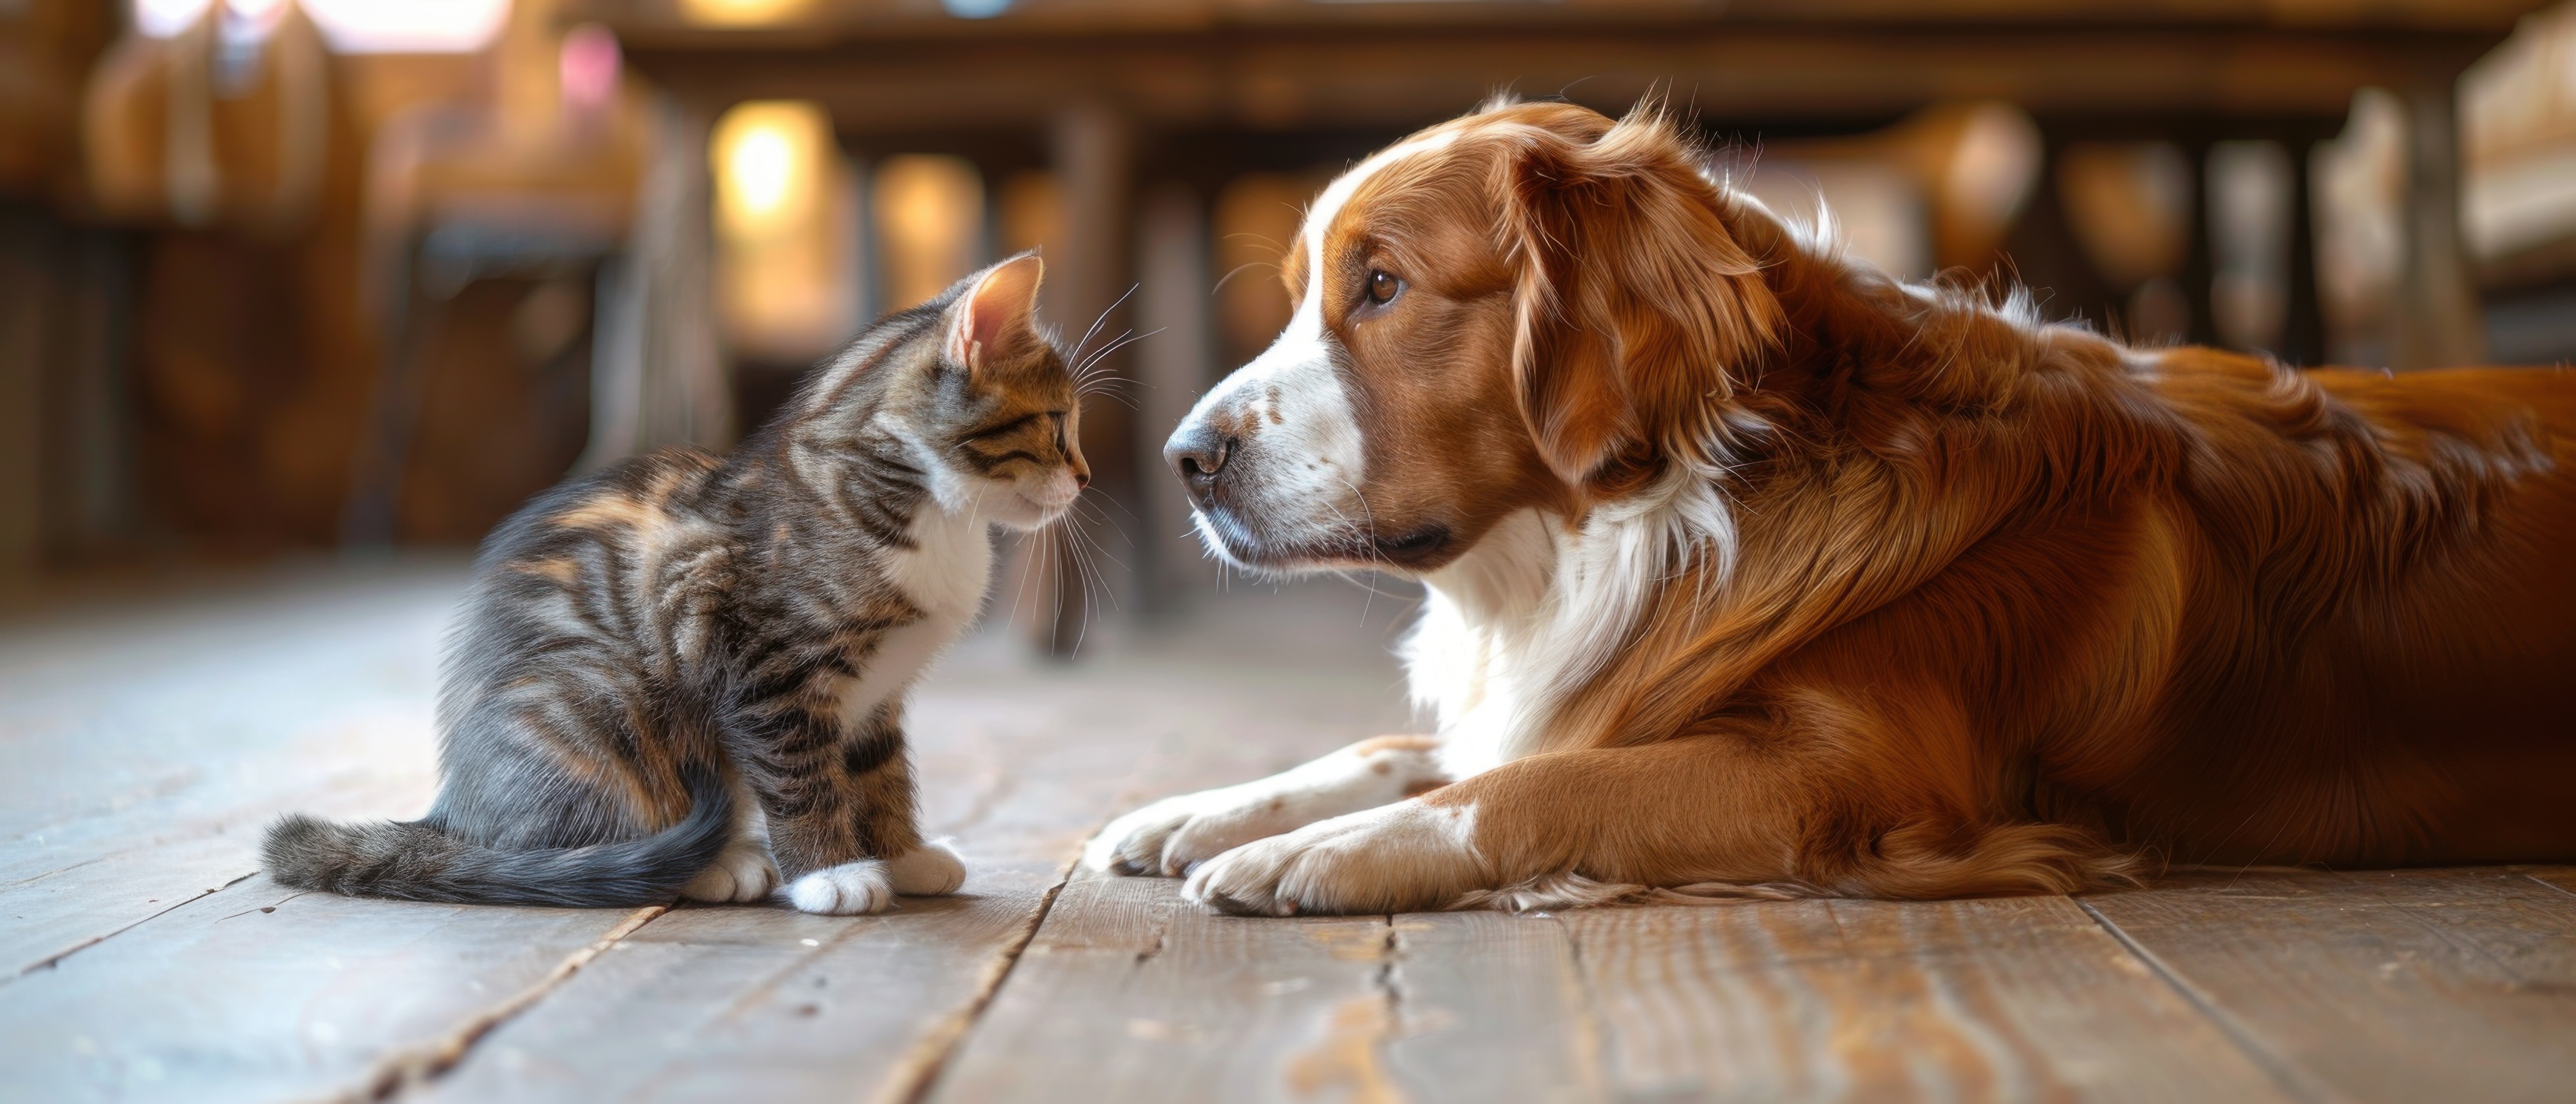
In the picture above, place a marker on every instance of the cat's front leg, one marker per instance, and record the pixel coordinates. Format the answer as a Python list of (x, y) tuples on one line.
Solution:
[(1171, 836), (841, 812)]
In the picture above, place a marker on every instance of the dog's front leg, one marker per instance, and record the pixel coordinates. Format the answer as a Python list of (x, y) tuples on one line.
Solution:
[(1685, 810), (1171, 836)]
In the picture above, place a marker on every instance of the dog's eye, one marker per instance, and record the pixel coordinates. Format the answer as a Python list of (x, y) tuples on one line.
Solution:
[(1382, 287)]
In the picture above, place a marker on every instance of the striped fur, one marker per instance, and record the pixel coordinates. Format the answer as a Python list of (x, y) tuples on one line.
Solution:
[(686, 673)]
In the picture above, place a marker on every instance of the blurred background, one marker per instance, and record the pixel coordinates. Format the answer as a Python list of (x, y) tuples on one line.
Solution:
[(282, 278)]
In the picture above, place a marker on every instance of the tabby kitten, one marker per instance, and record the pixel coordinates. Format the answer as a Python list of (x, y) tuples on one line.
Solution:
[(686, 674)]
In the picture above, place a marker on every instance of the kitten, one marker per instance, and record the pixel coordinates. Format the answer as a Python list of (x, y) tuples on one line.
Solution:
[(686, 674)]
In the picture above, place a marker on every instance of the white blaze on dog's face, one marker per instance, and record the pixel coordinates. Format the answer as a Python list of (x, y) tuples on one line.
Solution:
[(1379, 429), (1517, 309)]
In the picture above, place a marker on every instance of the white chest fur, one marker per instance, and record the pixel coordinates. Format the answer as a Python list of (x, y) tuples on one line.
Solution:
[(1468, 657), (943, 575)]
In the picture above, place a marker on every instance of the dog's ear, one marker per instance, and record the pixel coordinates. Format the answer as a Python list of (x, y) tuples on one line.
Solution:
[(1634, 307)]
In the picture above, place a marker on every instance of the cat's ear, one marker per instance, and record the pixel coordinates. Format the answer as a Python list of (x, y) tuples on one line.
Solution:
[(997, 317)]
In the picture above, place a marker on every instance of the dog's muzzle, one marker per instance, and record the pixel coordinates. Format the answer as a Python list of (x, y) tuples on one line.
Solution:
[(1197, 453)]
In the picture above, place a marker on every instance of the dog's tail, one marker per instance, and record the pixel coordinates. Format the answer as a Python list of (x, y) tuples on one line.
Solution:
[(415, 861)]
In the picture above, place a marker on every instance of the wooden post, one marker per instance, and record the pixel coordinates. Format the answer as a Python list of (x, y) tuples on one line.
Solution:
[(657, 373), (2303, 325), (26, 306), (1175, 304), (1092, 146), (2437, 320)]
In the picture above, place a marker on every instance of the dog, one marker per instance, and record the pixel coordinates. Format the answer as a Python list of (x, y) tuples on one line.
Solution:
[(1751, 570)]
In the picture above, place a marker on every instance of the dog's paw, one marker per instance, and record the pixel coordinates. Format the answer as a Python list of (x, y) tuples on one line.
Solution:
[(1174, 835), (1397, 858), (1133, 844), (743, 872), (933, 870), (850, 889)]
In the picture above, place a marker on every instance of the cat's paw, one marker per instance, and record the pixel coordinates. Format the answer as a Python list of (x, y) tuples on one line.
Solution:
[(932, 871), (743, 872), (850, 889)]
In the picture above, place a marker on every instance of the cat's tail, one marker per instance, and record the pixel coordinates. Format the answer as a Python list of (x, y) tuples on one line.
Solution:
[(415, 861)]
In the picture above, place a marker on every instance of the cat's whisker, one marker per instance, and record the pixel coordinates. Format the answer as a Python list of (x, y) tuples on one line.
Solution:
[(1125, 340), (1096, 323), (1103, 550), (1112, 500)]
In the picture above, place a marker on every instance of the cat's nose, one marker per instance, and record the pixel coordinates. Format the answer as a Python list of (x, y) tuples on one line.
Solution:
[(1196, 453)]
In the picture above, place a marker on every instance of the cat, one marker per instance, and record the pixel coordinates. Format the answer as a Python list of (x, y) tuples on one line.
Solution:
[(685, 675)]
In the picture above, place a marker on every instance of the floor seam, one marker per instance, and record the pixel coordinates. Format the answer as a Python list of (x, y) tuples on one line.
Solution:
[(55, 959), (410, 1069), (919, 1070), (2547, 882), (2291, 1079)]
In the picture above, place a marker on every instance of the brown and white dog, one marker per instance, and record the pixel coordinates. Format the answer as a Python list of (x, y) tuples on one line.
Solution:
[(1751, 567)]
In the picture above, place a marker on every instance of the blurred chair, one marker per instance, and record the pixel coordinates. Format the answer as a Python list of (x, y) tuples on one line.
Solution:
[(226, 124), (2130, 207), (46, 48), (1936, 191), (535, 177), (2518, 186)]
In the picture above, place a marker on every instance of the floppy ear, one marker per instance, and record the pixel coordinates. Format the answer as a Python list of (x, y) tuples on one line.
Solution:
[(996, 318), (1634, 306)]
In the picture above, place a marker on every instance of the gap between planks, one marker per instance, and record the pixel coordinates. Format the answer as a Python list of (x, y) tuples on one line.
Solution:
[(918, 1071), (413, 1067), (2291, 1080), (56, 959)]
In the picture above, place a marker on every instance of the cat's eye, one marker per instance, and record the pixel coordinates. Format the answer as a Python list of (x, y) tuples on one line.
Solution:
[(1382, 286)]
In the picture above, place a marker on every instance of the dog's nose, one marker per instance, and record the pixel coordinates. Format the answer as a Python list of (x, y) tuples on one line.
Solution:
[(1196, 453)]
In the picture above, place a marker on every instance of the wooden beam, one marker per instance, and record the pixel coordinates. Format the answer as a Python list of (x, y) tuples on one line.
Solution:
[(1395, 78)]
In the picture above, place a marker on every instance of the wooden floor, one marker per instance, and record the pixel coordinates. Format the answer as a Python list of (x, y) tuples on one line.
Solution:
[(144, 742)]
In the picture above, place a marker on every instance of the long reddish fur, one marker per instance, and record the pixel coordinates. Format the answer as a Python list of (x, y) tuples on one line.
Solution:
[(2012, 607)]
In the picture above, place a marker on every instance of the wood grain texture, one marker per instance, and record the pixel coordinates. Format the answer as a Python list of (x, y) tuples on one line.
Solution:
[(2389, 985), (1491, 1006), (1019, 761), (2562, 877), (1131, 994), (139, 754), (264, 993), (735, 1003), (142, 750), (2000, 999)]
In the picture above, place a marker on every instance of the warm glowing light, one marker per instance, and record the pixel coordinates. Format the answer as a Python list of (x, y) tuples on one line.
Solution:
[(741, 13), (762, 168), (786, 230), (930, 223), (769, 158), (354, 26), (407, 26), (163, 18)]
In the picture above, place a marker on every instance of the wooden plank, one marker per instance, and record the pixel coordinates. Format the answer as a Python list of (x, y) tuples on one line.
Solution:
[(60, 911), (2392, 985), (2007, 998), (1020, 760), (262, 993), (1471, 988), (2562, 877), (1131, 994), (147, 748), (738, 1003)]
